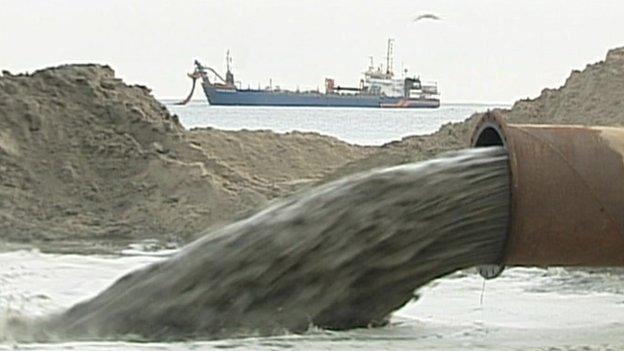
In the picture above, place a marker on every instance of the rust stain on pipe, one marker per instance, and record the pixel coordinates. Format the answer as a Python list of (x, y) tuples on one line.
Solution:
[(567, 192)]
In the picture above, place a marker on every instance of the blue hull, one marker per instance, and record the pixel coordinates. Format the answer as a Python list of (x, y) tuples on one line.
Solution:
[(233, 97)]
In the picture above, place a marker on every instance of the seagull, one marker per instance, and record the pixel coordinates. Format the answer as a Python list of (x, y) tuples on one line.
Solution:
[(427, 16)]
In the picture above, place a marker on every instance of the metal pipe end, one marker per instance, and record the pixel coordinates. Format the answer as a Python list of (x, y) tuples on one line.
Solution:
[(566, 193), (490, 132)]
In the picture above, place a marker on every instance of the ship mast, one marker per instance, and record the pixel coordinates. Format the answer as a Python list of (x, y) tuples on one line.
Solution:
[(229, 76), (389, 56), (228, 60)]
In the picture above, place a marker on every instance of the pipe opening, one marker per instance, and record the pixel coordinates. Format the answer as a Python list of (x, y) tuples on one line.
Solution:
[(489, 136)]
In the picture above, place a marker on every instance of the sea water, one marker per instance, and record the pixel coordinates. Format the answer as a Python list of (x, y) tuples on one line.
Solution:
[(363, 126)]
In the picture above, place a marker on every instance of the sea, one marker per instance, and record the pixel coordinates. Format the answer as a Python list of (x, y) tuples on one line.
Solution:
[(362, 126), (523, 309)]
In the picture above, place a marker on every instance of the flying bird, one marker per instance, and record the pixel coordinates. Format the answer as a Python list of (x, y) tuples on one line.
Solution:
[(427, 16)]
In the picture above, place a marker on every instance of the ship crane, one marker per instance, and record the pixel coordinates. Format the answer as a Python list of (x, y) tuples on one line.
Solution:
[(200, 71)]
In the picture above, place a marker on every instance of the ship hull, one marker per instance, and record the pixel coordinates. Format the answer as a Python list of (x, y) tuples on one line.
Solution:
[(235, 97)]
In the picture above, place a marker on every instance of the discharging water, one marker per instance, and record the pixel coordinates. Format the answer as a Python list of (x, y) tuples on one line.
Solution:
[(341, 256)]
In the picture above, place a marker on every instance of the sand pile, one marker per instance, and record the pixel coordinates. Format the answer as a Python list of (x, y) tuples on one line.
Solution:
[(594, 96), (85, 156)]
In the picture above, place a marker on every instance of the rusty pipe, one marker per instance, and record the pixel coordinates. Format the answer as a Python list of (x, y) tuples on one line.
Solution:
[(567, 193)]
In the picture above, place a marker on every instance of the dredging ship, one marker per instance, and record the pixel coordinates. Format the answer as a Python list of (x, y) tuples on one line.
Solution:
[(378, 88)]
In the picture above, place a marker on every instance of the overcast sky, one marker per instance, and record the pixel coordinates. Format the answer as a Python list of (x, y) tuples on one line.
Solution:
[(482, 51)]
